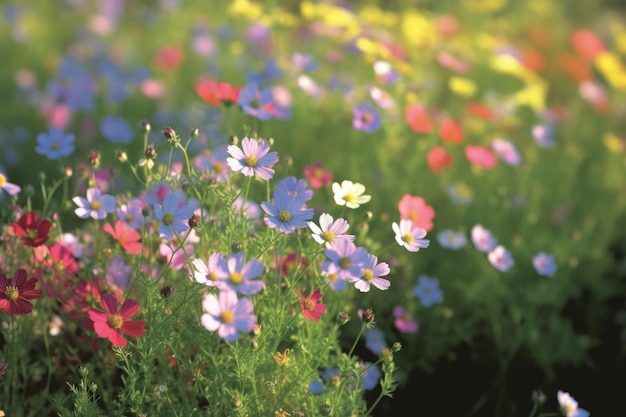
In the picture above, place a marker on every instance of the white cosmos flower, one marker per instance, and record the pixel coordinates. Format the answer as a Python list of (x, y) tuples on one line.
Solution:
[(350, 194)]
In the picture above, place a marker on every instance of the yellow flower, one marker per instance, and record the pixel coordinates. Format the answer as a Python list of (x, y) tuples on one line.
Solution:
[(245, 8), (461, 86), (377, 17), (417, 29), (282, 358), (613, 70), (613, 143)]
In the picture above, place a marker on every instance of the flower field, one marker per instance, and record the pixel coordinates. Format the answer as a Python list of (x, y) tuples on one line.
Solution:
[(312, 208)]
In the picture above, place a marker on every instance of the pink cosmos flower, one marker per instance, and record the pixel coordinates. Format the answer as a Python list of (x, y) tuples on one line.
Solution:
[(480, 156), (404, 321), (227, 315), (128, 238), (416, 210), (409, 237), (113, 321)]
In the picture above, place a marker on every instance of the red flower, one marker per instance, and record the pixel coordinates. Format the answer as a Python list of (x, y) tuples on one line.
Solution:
[(217, 93), (34, 232), (125, 235), (62, 260), (481, 156), (438, 158), (112, 322), (450, 131), (417, 118), (587, 44), (15, 293), (316, 175), (310, 307)]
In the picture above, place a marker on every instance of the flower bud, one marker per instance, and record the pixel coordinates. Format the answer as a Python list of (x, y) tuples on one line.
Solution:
[(236, 246), (94, 158), (367, 316), (194, 133), (343, 318), (169, 133), (121, 156), (234, 140), (194, 221), (538, 397), (144, 125), (150, 152)]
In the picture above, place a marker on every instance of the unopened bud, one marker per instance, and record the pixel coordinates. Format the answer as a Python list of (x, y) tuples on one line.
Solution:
[(121, 156), (367, 316), (234, 140), (194, 221), (150, 152), (94, 158), (194, 133), (144, 125), (168, 132), (343, 318)]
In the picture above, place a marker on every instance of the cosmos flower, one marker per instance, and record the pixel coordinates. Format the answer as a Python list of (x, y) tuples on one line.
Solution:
[(329, 230), (371, 273), (544, 264), (96, 205), (32, 230), (311, 307), (500, 258), (55, 144), (15, 293), (227, 315), (113, 321), (286, 213), (253, 158), (350, 194), (427, 291), (409, 237)]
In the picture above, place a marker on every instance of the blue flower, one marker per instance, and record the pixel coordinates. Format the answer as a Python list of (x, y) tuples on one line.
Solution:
[(451, 240), (427, 291), (255, 102), (287, 213), (544, 264), (173, 215), (365, 118), (375, 340), (116, 129), (55, 144)]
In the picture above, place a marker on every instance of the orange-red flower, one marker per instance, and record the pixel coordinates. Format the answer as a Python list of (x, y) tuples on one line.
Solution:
[(15, 293), (438, 158), (125, 235), (450, 131), (217, 93), (32, 230), (418, 119)]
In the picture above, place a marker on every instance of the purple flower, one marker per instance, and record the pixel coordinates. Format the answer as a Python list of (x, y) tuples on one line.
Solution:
[(507, 151), (131, 213), (544, 264), (328, 230), (240, 277), (117, 272), (427, 291), (173, 215), (500, 258), (347, 258), (404, 321), (8, 187), (544, 136), (255, 102), (371, 273), (96, 205), (365, 118), (252, 158), (482, 238), (227, 315), (55, 144), (116, 129)]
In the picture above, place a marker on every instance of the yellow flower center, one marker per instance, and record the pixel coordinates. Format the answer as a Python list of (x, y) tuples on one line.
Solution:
[(349, 198), (212, 276), (345, 263), (332, 277), (58, 267), (414, 216), (236, 278), (251, 160), (31, 234), (218, 167), (12, 293), (3, 180), (329, 236), (227, 316), (309, 304), (408, 238), (168, 219), (368, 274), (95, 205), (116, 321), (366, 118), (55, 146), (284, 216)]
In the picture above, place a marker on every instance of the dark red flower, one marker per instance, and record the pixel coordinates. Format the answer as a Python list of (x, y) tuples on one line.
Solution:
[(110, 323), (15, 293), (34, 232)]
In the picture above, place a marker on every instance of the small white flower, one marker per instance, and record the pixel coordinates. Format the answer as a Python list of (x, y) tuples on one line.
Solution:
[(350, 194), (411, 239), (569, 406)]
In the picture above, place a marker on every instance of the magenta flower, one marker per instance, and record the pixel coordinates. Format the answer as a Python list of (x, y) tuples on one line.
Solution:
[(227, 315), (253, 158), (482, 238), (112, 322), (404, 321)]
